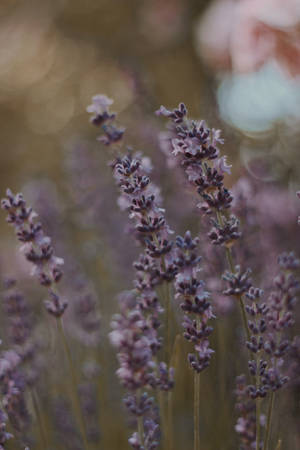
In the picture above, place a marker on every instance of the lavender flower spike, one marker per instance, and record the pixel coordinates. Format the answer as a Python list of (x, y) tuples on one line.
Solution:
[(195, 302), (37, 248), (198, 311)]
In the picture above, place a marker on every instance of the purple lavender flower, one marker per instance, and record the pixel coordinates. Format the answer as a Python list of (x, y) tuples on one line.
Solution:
[(135, 340), (99, 107), (238, 282), (195, 148), (135, 330), (37, 249), (101, 115), (195, 302), (280, 318), (269, 343), (134, 348)]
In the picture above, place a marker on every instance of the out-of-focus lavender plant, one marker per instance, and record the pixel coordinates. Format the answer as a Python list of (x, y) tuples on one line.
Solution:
[(18, 314), (267, 215), (21, 339), (270, 344), (83, 320), (13, 386), (38, 250)]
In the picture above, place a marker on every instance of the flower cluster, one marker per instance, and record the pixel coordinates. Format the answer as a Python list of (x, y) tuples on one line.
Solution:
[(130, 336), (135, 329), (103, 118), (195, 301), (280, 318), (141, 198), (195, 149), (238, 282), (136, 342), (37, 248), (270, 343)]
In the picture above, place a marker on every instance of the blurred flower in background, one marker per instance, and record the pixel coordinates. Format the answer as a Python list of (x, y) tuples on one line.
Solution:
[(254, 48)]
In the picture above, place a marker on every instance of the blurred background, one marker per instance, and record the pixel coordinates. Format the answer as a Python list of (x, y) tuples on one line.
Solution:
[(235, 63)]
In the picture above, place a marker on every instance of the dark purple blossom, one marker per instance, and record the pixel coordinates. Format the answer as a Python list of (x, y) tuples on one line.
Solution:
[(194, 302), (269, 343), (238, 282), (37, 249), (99, 109), (133, 346), (103, 118)]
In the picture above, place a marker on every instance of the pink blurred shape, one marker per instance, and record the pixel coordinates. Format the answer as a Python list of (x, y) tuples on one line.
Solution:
[(242, 35)]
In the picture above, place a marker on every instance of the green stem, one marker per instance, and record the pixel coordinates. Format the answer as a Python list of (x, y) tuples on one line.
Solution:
[(36, 407), (74, 384), (258, 404), (232, 270), (197, 405), (244, 317), (196, 411), (269, 419), (168, 297), (170, 420)]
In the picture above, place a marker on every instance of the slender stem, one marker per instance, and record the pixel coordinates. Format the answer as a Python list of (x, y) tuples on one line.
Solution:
[(269, 419), (167, 411), (196, 411), (244, 316), (232, 270), (170, 420), (197, 405), (44, 437), (74, 383), (258, 404), (168, 298)]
